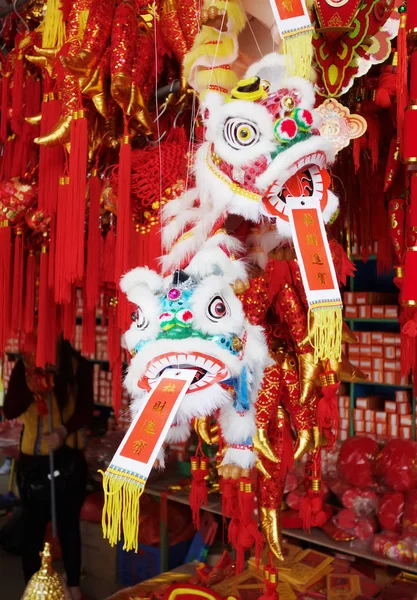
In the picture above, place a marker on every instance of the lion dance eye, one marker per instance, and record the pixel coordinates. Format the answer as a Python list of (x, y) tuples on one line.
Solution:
[(217, 309), (139, 318), (240, 134)]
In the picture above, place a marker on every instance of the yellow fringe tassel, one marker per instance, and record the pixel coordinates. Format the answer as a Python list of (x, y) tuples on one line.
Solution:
[(121, 511), (325, 327), (53, 30), (298, 51), (82, 24)]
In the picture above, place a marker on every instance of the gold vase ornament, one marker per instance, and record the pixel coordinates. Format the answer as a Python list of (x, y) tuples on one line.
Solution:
[(46, 584)]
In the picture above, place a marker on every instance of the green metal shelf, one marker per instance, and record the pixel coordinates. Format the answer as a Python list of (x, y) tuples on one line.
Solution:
[(357, 320), (392, 385)]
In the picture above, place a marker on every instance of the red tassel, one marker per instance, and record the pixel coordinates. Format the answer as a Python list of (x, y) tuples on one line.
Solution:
[(402, 74), (29, 304), (249, 534), (62, 244), (51, 159), (124, 221), (43, 317), (229, 497), (311, 510), (5, 281), (386, 90), (17, 94), (52, 253), (89, 330), (271, 584), (92, 276), (198, 493), (70, 317), (357, 154), (108, 272), (328, 407), (5, 88), (17, 293), (77, 194)]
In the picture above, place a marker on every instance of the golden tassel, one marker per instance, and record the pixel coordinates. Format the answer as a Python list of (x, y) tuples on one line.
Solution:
[(53, 34), (325, 329), (121, 510), (298, 52)]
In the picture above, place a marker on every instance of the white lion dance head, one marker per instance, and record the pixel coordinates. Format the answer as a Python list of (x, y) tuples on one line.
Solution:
[(193, 320), (262, 146)]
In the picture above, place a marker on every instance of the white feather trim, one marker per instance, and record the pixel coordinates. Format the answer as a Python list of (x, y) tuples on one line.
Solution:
[(236, 428), (242, 458), (278, 171), (211, 260), (141, 276), (202, 404), (161, 459), (179, 432)]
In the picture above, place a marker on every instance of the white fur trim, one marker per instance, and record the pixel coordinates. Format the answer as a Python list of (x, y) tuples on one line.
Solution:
[(141, 276), (161, 458), (237, 428), (242, 458), (202, 404), (212, 260), (178, 433), (279, 170), (138, 400), (272, 67)]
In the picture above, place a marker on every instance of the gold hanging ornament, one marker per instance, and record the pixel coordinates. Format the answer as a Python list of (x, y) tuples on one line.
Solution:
[(46, 584)]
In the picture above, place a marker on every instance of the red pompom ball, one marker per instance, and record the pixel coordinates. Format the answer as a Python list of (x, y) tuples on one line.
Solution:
[(355, 460), (395, 465)]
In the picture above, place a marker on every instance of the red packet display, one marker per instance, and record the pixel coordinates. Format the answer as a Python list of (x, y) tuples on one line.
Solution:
[(125, 478), (343, 587), (319, 277)]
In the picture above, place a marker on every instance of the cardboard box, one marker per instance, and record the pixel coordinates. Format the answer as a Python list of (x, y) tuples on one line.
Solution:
[(377, 351), (389, 338), (393, 419), (342, 435), (389, 377), (403, 408), (370, 427), (370, 415), (344, 413), (390, 312), (358, 414), (393, 431), (359, 426), (344, 424), (390, 407), (354, 349), (349, 298), (381, 416), (365, 364), (365, 351), (389, 352), (351, 312), (344, 401), (405, 420), (378, 363), (361, 297), (381, 429), (377, 312), (402, 396), (389, 365), (405, 433), (397, 353), (377, 337), (364, 312), (362, 403), (364, 337)]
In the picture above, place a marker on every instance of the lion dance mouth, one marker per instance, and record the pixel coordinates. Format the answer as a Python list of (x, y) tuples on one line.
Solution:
[(307, 178), (209, 370)]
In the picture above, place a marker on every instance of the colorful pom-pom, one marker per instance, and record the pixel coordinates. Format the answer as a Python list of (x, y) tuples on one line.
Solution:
[(285, 130)]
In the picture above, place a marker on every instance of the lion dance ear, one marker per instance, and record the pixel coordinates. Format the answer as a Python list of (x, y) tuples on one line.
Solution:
[(134, 280)]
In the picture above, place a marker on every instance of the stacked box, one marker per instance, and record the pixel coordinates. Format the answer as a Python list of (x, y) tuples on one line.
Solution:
[(384, 419), (370, 305), (378, 354), (344, 422)]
